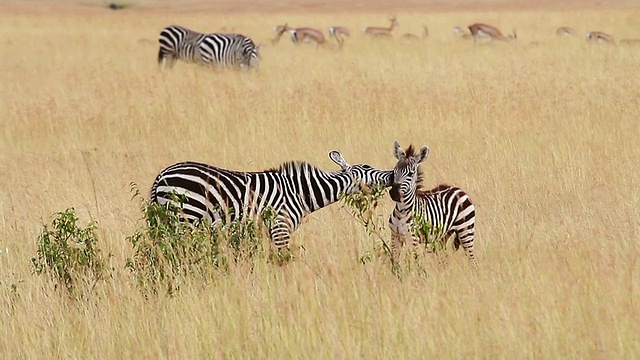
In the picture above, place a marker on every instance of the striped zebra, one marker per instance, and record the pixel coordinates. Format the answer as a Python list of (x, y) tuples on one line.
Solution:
[(292, 190), (448, 209), (231, 50)]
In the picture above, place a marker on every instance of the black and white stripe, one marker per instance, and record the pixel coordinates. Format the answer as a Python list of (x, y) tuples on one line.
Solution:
[(229, 50), (448, 209), (293, 190)]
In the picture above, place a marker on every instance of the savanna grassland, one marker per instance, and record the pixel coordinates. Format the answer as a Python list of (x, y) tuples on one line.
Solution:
[(542, 133)]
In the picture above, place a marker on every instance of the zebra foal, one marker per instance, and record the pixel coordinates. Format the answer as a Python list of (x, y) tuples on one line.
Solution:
[(293, 190), (448, 209), (227, 50)]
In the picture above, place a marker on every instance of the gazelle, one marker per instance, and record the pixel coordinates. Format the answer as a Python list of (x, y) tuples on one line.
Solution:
[(565, 31), (461, 33), (381, 31), (338, 33), (299, 35), (489, 32), (279, 29), (307, 35), (598, 36), (409, 36)]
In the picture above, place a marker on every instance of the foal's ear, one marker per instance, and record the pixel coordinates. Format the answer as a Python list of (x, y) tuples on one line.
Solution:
[(339, 159), (424, 152), (398, 152)]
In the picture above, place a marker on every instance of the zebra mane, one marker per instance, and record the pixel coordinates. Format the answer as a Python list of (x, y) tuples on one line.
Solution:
[(409, 152), (292, 167)]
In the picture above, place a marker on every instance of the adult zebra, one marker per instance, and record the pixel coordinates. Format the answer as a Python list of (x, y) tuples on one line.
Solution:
[(232, 50), (292, 190), (448, 209)]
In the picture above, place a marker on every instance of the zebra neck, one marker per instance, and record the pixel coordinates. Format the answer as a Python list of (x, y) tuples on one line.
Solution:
[(404, 209), (316, 188)]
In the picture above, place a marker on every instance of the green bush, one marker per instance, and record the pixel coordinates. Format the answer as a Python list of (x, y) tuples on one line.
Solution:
[(70, 255), (427, 235), (361, 205), (169, 250)]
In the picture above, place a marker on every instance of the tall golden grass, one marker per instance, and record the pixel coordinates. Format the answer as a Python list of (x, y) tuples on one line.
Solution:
[(542, 133)]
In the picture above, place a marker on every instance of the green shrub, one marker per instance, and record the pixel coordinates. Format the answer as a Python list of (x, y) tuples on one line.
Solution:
[(70, 255), (169, 250), (361, 205), (427, 235)]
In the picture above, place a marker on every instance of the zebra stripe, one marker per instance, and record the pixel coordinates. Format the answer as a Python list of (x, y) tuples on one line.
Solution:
[(293, 190), (447, 208), (180, 43)]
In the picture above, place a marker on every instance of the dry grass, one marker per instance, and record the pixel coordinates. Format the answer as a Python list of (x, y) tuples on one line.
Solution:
[(543, 137)]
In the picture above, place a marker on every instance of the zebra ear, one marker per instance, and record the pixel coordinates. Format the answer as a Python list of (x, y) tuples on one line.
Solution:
[(398, 152), (339, 159), (424, 152)]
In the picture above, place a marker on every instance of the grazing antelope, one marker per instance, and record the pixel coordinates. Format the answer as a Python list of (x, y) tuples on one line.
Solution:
[(338, 33), (409, 36), (489, 32), (630, 42), (307, 35), (299, 35), (598, 36), (565, 31), (381, 31), (461, 33), (279, 29)]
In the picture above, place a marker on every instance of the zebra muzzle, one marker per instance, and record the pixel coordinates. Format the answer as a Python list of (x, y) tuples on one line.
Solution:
[(395, 192)]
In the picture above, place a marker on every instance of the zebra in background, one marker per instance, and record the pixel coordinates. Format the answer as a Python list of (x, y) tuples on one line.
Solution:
[(448, 209), (293, 190), (231, 50)]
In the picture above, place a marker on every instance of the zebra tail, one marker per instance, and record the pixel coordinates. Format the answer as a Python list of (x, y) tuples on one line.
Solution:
[(153, 193), (160, 57)]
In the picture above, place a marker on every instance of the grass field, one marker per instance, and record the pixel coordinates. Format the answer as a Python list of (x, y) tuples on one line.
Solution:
[(542, 133)]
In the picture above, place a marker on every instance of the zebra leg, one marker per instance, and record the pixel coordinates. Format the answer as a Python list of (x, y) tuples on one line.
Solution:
[(169, 60), (415, 241), (397, 242), (465, 237), (280, 234)]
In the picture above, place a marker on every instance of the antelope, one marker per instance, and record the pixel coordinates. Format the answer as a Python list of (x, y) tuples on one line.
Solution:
[(299, 34), (338, 33), (598, 36), (461, 33), (565, 31), (489, 32), (409, 36), (307, 35), (381, 31), (279, 29)]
